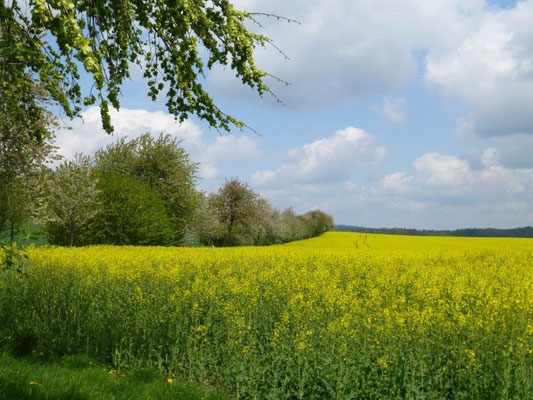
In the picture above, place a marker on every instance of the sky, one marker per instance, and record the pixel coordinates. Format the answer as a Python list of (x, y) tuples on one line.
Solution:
[(415, 114)]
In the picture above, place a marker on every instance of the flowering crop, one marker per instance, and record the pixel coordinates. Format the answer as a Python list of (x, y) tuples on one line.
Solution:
[(392, 317)]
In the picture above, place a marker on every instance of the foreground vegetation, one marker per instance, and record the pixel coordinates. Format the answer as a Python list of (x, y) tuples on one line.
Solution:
[(81, 378), (364, 316)]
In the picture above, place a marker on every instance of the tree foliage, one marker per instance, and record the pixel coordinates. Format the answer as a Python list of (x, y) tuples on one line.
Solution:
[(160, 163), (137, 192), (26, 147), (174, 42), (142, 192), (237, 211), (317, 222), (70, 202), (131, 213), (205, 225), (245, 218)]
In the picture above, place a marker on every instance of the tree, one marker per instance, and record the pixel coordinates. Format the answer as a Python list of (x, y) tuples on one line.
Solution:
[(296, 228), (205, 225), (131, 213), (71, 201), (237, 212), (246, 218), (317, 222), (15, 208), (173, 41), (163, 165), (26, 147), (269, 228)]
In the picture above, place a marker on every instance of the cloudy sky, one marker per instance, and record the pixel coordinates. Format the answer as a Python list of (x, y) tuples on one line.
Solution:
[(411, 114)]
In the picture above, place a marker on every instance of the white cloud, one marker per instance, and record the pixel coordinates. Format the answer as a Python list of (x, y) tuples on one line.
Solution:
[(441, 178), (512, 151), (342, 49), (474, 51), (331, 159), (350, 48), (515, 151), (490, 157), (232, 148), (491, 70), (465, 127), (394, 109), (436, 169), (86, 136), (445, 185), (440, 191), (207, 170), (397, 183)]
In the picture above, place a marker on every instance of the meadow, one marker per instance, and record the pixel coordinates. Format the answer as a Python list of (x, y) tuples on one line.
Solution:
[(341, 316)]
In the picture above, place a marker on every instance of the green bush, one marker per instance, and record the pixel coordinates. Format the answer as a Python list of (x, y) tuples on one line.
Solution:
[(131, 213)]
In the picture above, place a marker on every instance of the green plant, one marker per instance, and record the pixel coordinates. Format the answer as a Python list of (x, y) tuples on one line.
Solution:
[(13, 258)]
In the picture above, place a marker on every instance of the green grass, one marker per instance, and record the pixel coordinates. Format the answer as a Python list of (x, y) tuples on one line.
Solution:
[(78, 377)]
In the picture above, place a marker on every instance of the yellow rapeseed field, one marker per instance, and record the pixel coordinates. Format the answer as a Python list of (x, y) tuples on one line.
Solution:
[(342, 316)]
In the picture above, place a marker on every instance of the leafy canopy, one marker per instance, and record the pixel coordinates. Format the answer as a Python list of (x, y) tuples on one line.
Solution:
[(70, 201), (173, 41), (160, 163), (131, 213), (26, 147)]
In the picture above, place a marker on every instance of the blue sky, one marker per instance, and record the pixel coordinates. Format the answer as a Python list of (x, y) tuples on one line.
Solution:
[(412, 114)]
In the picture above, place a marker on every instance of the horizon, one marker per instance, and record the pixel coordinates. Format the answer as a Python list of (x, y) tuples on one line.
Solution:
[(434, 230)]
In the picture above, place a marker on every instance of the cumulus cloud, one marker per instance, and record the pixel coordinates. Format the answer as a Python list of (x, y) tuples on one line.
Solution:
[(491, 70), (439, 191), (331, 159), (232, 148), (515, 151), (394, 109), (207, 170), (86, 136), (447, 181), (436, 169), (350, 48), (344, 49), (397, 183), (490, 157)]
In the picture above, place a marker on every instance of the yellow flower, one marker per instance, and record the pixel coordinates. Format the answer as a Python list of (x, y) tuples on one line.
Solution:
[(170, 381)]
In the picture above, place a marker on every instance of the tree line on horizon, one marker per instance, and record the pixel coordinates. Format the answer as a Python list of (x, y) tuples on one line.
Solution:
[(143, 192), (522, 232)]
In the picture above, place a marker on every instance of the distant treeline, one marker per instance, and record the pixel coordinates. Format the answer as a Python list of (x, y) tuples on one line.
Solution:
[(525, 232)]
